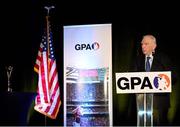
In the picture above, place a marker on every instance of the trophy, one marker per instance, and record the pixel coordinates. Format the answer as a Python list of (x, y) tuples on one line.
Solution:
[(9, 72)]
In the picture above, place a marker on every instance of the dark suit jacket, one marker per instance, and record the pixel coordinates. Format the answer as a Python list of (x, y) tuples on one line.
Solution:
[(160, 63)]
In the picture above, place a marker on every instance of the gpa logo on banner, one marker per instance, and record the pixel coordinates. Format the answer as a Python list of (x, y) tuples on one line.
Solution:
[(143, 82), (93, 46)]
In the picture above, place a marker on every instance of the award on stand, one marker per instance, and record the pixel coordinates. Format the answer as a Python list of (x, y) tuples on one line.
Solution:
[(9, 70)]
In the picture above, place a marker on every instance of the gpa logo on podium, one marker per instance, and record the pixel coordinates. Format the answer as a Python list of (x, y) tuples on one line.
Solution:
[(162, 82), (143, 82)]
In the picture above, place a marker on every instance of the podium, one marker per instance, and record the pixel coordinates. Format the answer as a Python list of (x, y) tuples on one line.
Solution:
[(144, 85), (144, 103)]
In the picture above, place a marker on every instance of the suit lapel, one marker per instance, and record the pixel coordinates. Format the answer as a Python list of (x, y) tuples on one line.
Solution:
[(154, 63), (142, 65)]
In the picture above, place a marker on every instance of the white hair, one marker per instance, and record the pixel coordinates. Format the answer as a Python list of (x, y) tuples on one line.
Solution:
[(151, 37)]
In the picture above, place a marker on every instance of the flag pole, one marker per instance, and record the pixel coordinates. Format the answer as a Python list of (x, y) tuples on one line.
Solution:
[(47, 26)]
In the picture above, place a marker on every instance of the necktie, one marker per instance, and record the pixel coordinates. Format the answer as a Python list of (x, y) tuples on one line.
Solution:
[(148, 67)]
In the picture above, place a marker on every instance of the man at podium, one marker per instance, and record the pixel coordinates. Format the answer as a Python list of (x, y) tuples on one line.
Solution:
[(152, 60)]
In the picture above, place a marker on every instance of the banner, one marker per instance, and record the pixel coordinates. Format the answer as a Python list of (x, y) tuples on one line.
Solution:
[(87, 75), (143, 82)]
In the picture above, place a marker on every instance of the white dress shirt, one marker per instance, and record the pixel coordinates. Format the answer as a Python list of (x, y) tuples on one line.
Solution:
[(150, 60)]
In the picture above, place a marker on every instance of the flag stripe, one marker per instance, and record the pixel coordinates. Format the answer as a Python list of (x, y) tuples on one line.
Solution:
[(47, 100)]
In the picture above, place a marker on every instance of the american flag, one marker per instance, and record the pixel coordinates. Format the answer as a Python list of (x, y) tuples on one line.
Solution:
[(47, 100)]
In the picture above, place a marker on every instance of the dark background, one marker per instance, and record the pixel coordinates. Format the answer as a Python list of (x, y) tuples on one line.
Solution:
[(22, 24)]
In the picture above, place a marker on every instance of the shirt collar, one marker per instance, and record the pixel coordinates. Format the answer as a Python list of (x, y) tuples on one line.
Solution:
[(151, 56)]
